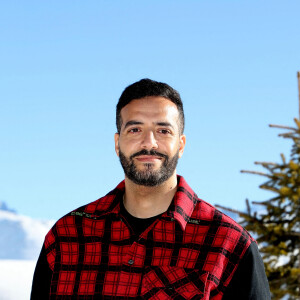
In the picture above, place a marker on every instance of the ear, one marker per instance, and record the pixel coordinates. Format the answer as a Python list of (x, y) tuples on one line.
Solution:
[(182, 141), (117, 136)]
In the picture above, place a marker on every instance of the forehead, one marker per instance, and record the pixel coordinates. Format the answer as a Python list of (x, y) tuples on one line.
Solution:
[(153, 107)]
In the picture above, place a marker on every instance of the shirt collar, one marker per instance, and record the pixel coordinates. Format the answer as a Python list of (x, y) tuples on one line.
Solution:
[(181, 208), (183, 203)]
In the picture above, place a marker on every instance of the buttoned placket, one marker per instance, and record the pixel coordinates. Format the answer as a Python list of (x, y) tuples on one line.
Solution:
[(134, 253), (133, 250)]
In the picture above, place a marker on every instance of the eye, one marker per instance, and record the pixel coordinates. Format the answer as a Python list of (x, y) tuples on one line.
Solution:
[(165, 131), (134, 130)]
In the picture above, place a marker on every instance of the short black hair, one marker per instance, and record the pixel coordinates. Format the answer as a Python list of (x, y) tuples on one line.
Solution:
[(147, 88)]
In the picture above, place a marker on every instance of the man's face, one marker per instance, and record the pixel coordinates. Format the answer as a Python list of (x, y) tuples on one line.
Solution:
[(149, 143)]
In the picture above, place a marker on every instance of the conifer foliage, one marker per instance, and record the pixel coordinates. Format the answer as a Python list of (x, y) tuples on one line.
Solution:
[(276, 222)]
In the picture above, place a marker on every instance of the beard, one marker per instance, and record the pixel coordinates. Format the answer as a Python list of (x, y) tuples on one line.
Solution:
[(148, 176)]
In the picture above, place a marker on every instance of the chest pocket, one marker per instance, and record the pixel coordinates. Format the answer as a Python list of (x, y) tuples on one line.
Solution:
[(167, 282)]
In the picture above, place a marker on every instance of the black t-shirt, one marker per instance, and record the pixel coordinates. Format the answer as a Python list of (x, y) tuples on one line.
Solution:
[(136, 224)]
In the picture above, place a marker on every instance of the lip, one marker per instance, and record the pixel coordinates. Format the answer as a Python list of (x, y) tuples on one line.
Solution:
[(145, 158)]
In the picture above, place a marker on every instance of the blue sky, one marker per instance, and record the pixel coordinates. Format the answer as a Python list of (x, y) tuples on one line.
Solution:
[(64, 65)]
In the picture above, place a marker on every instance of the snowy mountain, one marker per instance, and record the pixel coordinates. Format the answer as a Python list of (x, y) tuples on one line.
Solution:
[(16, 279), (21, 237)]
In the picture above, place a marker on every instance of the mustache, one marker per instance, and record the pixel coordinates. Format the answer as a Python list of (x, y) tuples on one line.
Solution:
[(146, 152)]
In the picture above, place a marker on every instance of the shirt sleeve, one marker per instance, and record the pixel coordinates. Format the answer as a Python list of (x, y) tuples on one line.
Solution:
[(41, 278), (249, 281)]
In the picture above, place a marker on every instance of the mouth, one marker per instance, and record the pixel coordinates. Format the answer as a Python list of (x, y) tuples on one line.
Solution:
[(148, 158)]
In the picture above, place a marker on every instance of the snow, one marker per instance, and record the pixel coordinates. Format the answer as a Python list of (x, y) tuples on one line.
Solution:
[(281, 260), (16, 279), (21, 239)]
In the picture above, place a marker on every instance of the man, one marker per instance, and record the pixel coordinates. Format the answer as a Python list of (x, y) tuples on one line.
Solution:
[(151, 237)]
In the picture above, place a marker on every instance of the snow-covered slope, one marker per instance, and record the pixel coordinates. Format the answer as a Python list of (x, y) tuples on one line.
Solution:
[(16, 279), (21, 237)]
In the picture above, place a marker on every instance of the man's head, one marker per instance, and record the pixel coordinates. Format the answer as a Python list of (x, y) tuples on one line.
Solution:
[(146, 88), (149, 141)]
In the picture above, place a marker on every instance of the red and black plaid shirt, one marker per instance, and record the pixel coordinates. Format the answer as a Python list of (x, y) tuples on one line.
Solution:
[(190, 252)]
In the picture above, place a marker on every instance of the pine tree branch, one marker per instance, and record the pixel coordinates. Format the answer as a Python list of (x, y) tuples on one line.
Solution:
[(256, 173), (282, 127), (267, 202), (265, 163), (278, 281), (233, 210), (264, 186), (292, 233), (287, 134), (248, 207), (298, 77)]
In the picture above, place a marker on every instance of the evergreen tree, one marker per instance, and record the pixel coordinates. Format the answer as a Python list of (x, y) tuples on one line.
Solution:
[(276, 224)]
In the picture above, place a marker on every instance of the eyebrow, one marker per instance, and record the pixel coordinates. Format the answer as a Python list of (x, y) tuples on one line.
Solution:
[(134, 122), (165, 124)]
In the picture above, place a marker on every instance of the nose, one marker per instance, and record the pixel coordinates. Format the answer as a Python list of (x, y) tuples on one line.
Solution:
[(149, 142)]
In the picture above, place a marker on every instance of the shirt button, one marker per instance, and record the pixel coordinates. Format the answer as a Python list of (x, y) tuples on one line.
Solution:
[(131, 261)]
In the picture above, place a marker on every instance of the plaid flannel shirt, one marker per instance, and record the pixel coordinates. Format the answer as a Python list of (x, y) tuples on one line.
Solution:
[(190, 252)]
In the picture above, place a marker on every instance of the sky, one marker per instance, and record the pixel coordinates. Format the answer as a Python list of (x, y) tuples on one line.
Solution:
[(64, 65)]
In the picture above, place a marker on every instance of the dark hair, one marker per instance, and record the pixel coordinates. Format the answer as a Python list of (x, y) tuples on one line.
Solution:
[(146, 88)]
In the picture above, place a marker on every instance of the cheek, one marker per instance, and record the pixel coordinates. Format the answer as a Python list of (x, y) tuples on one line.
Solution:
[(127, 147), (171, 150)]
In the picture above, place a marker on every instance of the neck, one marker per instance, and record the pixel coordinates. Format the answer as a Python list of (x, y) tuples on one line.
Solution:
[(146, 202)]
